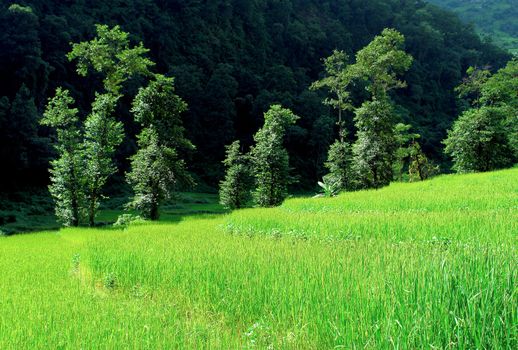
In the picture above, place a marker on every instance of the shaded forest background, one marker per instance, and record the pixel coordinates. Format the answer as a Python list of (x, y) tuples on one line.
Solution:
[(231, 59)]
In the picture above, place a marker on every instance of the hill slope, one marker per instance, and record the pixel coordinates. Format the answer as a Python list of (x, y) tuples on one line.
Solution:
[(497, 18), (425, 265), (231, 59)]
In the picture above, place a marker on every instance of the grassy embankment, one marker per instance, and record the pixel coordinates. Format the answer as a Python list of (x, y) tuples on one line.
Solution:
[(425, 265)]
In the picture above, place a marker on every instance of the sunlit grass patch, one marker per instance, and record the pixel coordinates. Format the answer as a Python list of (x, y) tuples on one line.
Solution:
[(427, 265)]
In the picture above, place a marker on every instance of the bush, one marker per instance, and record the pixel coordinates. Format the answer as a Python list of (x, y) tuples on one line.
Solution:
[(125, 220), (110, 281), (479, 141)]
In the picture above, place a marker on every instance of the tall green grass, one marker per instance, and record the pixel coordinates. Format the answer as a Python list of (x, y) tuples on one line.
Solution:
[(428, 265)]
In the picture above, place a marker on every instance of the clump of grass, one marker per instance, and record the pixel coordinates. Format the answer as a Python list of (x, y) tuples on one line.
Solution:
[(125, 220), (110, 281), (76, 259)]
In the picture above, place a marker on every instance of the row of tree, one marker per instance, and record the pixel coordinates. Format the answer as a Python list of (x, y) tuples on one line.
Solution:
[(483, 138), (86, 149), (368, 163)]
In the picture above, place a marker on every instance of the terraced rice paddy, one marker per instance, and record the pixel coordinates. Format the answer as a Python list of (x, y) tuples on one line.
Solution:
[(429, 265)]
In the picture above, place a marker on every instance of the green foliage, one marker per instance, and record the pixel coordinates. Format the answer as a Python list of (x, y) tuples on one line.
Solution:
[(270, 160), (158, 106), (337, 82), (157, 168), (68, 174), (267, 52), (479, 140), (110, 53), (20, 9), (329, 185), (495, 19), (339, 164), (375, 147), (124, 220), (420, 167), (471, 88), (380, 62), (234, 190), (501, 90), (404, 144), (377, 66), (486, 137), (102, 135)]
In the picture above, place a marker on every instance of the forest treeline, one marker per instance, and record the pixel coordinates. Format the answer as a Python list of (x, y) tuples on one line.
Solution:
[(496, 18), (231, 61)]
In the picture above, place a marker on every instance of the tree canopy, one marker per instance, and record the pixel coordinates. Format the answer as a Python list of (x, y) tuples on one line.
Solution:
[(232, 60)]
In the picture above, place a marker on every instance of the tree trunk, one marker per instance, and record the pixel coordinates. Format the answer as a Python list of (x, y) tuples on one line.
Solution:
[(75, 210), (340, 126), (75, 204), (91, 212), (154, 213)]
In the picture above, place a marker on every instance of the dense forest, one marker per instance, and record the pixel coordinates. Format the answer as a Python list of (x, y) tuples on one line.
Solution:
[(231, 60), (496, 18)]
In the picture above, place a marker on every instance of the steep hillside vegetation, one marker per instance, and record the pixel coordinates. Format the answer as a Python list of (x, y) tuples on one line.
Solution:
[(231, 59), (496, 18)]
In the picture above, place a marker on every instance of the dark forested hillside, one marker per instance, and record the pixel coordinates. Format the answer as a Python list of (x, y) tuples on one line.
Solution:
[(496, 18), (231, 60)]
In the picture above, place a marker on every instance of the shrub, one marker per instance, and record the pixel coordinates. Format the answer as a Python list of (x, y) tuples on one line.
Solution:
[(127, 219)]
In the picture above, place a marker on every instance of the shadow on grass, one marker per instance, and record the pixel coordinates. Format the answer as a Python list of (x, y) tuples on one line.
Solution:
[(20, 218)]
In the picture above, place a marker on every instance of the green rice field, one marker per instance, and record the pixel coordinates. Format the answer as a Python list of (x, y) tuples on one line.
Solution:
[(429, 265)]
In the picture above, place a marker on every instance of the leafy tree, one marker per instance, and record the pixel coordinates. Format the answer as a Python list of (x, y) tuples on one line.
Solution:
[(375, 147), (67, 171), (471, 87), (404, 140), (158, 106), (234, 190), (381, 62), (337, 82), (339, 164), (478, 140), (110, 53), (500, 90), (270, 160), (102, 135), (486, 137), (378, 65), (420, 167), (156, 167)]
